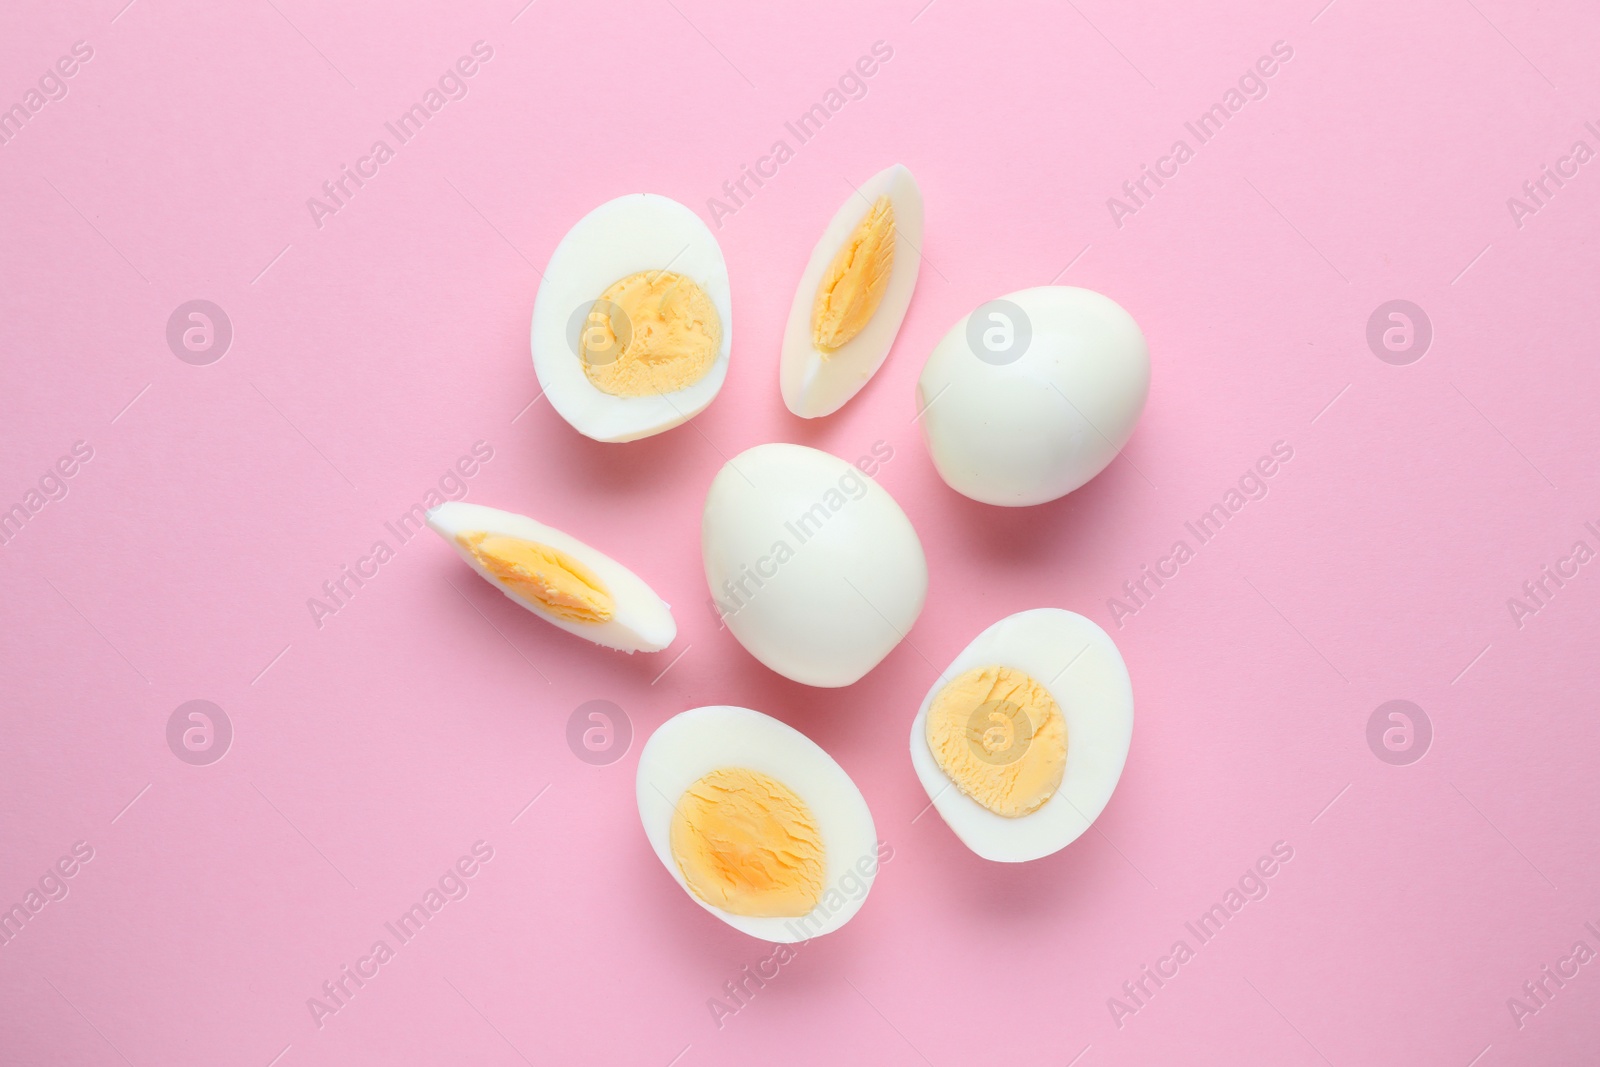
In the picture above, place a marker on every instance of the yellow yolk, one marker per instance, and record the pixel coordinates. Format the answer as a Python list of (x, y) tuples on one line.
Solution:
[(652, 332), (853, 285), (551, 579), (1001, 738), (748, 845)]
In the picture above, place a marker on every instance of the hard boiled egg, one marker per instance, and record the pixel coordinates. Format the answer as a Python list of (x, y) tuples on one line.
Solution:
[(853, 295), (633, 321), (812, 565), (1023, 737), (557, 577), (757, 824), (1031, 395)]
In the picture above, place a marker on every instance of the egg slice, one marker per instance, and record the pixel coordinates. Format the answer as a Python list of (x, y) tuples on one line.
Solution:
[(1033, 394), (853, 295), (757, 823), (812, 565), (633, 321), (557, 577), (1021, 741)]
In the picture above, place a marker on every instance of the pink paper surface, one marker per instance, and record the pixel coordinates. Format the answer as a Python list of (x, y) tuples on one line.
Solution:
[(373, 346)]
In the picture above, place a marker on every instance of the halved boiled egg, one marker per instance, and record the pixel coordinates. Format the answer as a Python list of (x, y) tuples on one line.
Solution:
[(758, 824), (557, 577), (1021, 741), (853, 295), (812, 565), (633, 321)]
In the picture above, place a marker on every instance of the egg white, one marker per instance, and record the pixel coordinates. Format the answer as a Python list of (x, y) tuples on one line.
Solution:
[(1079, 664), (1037, 428), (633, 233), (853, 587), (641, 621), (814, 383), (694, 743)]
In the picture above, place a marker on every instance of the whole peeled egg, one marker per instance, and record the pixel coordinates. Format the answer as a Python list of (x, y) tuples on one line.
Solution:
[(1033, 394), (812, 565)]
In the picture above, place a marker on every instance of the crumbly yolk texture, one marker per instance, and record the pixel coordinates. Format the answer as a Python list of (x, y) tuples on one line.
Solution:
[(748, 845), (853, 285), (652, 332), (552, 580), (1001, 738)]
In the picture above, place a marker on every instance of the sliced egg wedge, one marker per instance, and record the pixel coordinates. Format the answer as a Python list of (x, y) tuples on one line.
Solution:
[(1022, 739), (756, 823), (557, 577), (853, 295), (633, 321)]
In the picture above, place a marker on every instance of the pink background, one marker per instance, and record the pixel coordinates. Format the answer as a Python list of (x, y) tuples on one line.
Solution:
[(370, 353)]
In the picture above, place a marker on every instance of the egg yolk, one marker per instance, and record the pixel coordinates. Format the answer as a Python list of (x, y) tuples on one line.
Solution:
[(748, 845), (552, 580), (852, 287), (1000, 737), (652, 332)]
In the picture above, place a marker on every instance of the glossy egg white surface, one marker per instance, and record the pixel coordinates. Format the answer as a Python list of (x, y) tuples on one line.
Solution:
[(817, 383), (815, 569), (1018, 414), (633, 233), (641, 620), (1079, 664), (694, 743)]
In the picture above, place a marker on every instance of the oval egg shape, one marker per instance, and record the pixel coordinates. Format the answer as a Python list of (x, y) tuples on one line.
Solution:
[(1083, 678), (633, 322), (803, 849), (1030, 396), (812, 565)]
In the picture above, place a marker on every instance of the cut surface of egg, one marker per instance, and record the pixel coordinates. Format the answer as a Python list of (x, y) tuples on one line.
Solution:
[(853, 295), (1021, 741), (557, 577), (633, 321), (1033, 394), (758, 824), (812, 565)]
